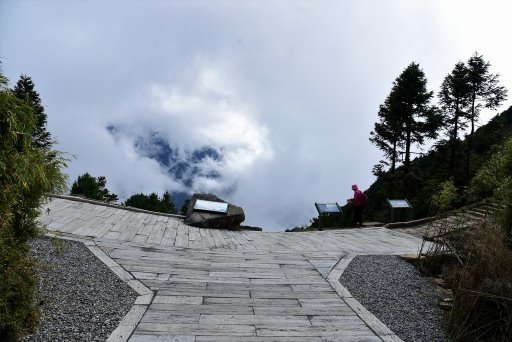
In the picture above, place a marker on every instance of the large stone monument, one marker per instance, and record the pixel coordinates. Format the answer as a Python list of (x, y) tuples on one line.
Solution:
[(201, 217)]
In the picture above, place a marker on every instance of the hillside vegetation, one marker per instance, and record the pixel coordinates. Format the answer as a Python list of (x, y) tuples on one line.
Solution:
[(428, 172), (29, 170), (408, 118), (474, 261)]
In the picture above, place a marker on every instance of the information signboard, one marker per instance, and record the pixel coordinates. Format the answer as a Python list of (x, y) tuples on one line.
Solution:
[(328, 208), (217, 207), (399, 203), (399, 208)]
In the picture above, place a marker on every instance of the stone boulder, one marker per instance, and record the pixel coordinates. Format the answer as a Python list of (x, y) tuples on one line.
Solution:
[(204, 219)]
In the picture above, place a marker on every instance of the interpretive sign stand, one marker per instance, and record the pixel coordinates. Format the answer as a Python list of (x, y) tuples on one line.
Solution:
[(399, 208), (328, 208), (328, 214), (211, 206)]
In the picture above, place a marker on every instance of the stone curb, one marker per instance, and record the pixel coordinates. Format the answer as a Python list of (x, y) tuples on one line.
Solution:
[(117, 206), (133, 317), (409, 223), (379, 328)]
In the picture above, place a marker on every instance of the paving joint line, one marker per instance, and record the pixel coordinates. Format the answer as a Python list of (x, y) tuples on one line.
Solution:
[(330, 263), (376, 325), (129, 322), (115, 206)]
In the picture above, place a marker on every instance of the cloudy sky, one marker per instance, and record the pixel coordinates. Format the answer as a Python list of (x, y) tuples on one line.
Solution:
[(268, 104)]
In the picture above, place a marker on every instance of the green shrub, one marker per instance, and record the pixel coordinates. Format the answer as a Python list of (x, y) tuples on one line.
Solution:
[(477, 262), (27, 174), (444, 199), (495, 179), (19, 312)]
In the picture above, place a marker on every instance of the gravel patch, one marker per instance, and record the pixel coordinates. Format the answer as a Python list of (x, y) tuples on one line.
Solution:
[(394, 291), (81, 299)]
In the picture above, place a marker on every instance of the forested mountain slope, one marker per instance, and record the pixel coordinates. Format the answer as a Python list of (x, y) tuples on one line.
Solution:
[(430, 170)]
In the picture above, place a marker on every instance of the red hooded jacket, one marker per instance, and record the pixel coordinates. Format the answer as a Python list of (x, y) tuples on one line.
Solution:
[(359, 198)]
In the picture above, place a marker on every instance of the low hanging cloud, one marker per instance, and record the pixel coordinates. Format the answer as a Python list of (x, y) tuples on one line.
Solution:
[(272, 115), (200, 134)]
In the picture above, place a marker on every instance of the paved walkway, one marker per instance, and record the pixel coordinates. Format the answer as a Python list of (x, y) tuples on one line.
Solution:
[(218, 285)]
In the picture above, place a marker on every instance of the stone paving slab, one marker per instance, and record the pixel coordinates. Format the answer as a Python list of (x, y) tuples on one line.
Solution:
[(103, 222), (295, 302), (216, 285)]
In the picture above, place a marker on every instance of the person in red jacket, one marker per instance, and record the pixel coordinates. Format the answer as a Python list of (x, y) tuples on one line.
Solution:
[(359, 201)]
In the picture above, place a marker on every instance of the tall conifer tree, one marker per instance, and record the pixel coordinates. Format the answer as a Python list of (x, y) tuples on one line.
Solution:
[(407, 114), (454, 98), (152, 202), (485, 92), (93, 188), (25, 91), (388, 134), (420, 119)]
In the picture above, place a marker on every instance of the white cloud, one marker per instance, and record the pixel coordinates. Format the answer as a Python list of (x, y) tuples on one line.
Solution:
[(286, 92), (191, 118)]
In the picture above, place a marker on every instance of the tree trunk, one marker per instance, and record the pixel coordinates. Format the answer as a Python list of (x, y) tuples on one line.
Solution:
[(454, 140), (470, 137), (408, 145), (393, 158), (407, 162)]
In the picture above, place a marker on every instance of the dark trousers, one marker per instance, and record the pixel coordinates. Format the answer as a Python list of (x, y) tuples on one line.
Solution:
[(358, 216)]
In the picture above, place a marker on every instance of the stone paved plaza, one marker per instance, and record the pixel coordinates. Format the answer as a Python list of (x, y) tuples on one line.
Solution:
[(218, 285)]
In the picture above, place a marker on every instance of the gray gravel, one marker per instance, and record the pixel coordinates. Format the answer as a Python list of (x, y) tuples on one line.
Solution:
[(82, 300), (394, 291)]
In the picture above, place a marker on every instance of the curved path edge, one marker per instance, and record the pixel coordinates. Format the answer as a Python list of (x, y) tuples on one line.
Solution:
[(130, 321), (376, 325), (98, 227)]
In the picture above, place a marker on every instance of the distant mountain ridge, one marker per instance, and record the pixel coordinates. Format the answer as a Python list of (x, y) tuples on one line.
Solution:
[(182, 166)]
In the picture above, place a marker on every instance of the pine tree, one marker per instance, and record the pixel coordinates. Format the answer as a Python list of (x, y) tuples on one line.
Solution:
[(184, 207), (93, 188), (454, 98), (24, 90), (407, 115), (152, 202), (485, 92), (138, 201), (104, 192), (388, 134), (167, 204), (420, 119)]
